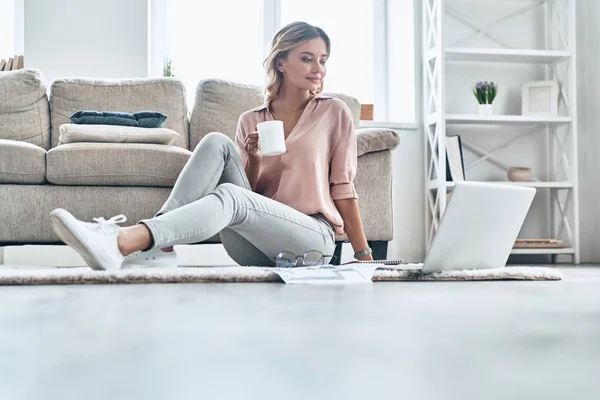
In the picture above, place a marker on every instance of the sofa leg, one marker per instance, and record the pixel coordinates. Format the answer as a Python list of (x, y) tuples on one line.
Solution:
[(379, 248), (337, 253)]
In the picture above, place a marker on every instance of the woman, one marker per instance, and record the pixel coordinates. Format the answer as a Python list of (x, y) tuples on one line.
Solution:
[(296, 202)]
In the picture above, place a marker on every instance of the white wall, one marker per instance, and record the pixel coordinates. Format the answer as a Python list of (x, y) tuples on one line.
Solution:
[(588, 70), (105, 39), (408, 199)]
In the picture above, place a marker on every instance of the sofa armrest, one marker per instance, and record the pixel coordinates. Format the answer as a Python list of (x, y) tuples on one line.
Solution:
[(373, 184), (370, 140), (22, 162)]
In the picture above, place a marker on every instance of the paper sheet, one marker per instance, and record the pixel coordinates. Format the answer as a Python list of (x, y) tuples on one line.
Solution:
[(328, 274)]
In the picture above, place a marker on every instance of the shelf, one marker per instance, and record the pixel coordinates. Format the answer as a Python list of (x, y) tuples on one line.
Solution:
[(538, 185), (475, 119), (564, 250), (506, 55), (388, 125)]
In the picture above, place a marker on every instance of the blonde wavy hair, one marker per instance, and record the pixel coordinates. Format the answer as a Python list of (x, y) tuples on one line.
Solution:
[(288, 37)]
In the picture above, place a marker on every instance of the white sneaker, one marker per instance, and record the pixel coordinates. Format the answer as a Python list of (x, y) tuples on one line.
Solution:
[(153, 258), (95, 242)]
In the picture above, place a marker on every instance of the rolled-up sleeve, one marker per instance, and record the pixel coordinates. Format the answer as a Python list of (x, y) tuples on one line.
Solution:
[(344, 160), (240, 138)]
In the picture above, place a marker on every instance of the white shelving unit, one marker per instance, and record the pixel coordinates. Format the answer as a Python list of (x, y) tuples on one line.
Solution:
[(561, 183), (506, 120)]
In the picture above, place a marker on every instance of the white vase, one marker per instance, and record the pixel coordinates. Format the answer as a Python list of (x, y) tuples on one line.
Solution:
[(485, 110)]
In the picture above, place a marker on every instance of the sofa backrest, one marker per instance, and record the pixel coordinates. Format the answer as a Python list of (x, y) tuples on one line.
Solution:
[(165, 95), (220, 103), (24, 113)]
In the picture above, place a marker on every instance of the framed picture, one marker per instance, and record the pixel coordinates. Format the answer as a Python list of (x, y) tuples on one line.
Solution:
[(540, 98)]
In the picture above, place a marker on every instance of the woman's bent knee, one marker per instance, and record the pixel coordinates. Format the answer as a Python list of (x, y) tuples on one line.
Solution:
[(215, 140)]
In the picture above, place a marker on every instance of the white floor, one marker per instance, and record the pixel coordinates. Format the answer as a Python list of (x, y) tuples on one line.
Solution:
[(395, 340)]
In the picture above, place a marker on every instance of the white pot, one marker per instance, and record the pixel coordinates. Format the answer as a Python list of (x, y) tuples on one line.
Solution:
[(485, 109), (520, 174)]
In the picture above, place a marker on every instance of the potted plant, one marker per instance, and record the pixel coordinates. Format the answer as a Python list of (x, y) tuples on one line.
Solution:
[(485, 93), (168, 69)]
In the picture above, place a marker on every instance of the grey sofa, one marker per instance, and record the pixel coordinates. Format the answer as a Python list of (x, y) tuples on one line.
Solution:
[(102, 180)]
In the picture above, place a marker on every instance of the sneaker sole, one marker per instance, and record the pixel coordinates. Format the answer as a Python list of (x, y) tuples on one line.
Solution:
[(141, 264), (62, 221), (146, 266)]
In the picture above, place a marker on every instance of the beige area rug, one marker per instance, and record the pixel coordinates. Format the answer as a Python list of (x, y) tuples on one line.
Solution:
[(43, 275)]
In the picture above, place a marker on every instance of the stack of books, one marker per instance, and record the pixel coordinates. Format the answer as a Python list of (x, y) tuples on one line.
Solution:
[(538, 243), (12, 64), (455, 164)]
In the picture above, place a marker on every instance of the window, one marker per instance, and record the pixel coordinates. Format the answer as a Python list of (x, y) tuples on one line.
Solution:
[(349, 26), (208, 40), (372, 45), (401, 76), (7, 29)]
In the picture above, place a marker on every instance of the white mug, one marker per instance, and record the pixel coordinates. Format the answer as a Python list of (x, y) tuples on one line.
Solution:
[(271, 138)]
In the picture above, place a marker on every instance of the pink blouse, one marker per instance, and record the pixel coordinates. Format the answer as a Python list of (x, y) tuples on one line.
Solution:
[(320, 161)]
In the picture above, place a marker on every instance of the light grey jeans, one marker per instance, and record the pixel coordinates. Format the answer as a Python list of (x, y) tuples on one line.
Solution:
[(212, 195)]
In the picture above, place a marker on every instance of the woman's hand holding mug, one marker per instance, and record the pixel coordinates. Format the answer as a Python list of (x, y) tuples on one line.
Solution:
[(251, 145)]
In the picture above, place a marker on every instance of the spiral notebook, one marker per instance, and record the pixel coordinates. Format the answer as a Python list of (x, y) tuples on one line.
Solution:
[(384, 262)]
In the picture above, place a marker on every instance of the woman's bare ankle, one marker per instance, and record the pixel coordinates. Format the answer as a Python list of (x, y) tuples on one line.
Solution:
[(123, 243), (168, 249), (134, 238)]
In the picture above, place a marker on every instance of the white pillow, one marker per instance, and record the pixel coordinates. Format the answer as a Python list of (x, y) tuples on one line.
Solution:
[(73, 133)]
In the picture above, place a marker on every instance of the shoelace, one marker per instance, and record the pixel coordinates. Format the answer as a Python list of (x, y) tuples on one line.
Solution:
[(109, 226)]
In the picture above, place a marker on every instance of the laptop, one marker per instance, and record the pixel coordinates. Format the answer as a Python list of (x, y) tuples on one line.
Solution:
[(478, 229)]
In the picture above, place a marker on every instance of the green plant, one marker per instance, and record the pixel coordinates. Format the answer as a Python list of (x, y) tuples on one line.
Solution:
[(485, 92), (168, 69)]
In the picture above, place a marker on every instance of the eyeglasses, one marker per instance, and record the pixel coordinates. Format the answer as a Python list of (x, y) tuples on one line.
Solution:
[(312, 258)]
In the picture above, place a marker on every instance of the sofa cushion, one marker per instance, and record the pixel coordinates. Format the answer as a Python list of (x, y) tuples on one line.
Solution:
[(75, 133), (115, 164), (220, 103), (24, 112), (22, 162), (370, 140), (164, 95)]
